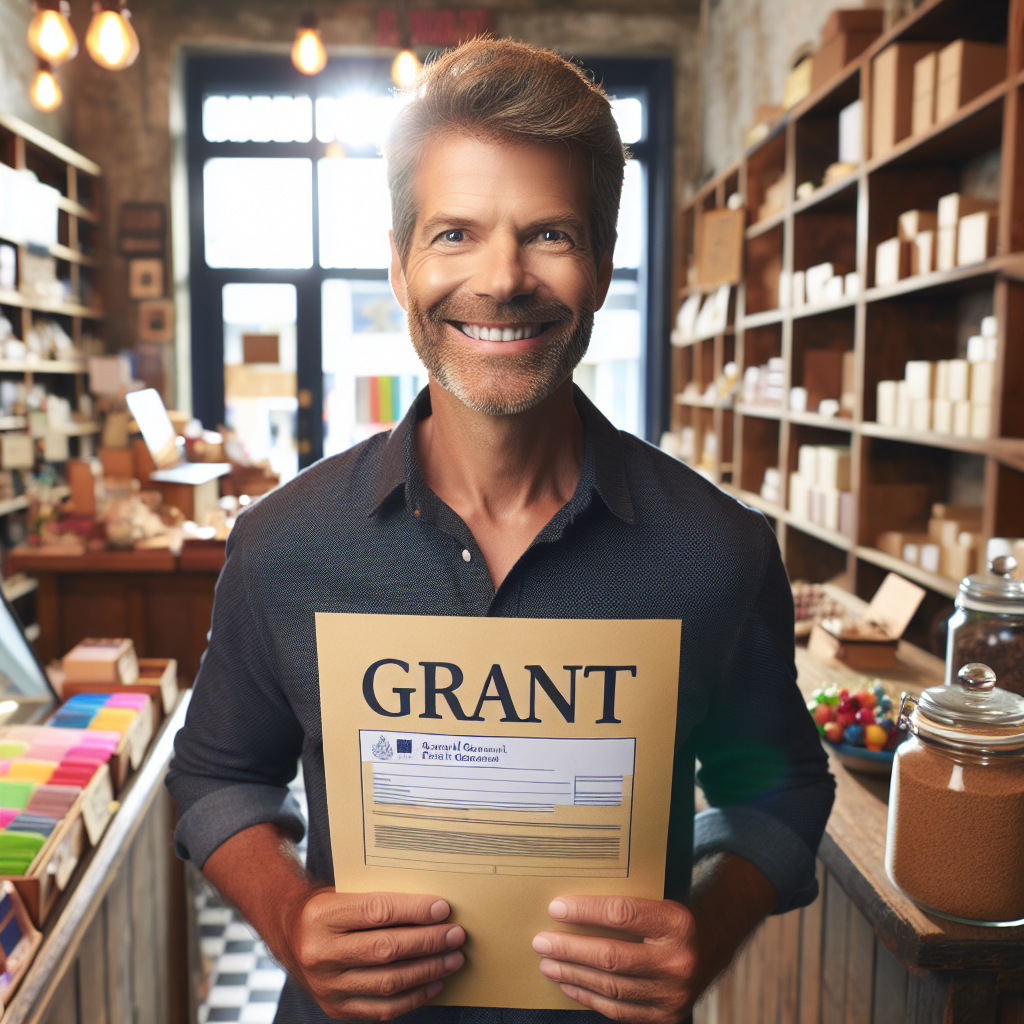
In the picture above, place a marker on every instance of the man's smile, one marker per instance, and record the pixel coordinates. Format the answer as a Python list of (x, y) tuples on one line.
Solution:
[(500, 332)]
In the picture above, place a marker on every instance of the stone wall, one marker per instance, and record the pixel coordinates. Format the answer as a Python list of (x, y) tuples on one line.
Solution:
[(17, 68), (130, 122)]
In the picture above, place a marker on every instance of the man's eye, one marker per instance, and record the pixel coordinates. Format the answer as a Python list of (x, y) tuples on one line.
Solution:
[(551, 235), (455, 235)]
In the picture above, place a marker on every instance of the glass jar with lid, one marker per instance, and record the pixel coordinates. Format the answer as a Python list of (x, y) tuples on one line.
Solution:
[(988, 625), (955, 837)]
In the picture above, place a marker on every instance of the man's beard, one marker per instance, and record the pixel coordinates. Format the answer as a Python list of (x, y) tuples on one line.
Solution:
[(500, 385)]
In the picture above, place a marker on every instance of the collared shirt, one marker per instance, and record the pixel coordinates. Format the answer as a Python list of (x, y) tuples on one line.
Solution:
[(643, 536)]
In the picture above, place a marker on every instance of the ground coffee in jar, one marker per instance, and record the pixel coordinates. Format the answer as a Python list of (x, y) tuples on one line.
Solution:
[(955, 838)]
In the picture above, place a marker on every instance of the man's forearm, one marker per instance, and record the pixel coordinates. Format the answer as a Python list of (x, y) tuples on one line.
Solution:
[(728, 899), (258, 870)]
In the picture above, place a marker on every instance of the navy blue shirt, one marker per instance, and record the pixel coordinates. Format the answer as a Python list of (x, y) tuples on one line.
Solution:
[(643, 536)]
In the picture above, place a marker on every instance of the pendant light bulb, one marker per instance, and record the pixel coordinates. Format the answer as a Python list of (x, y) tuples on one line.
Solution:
[(45, 93), (308, 53), (404, 69), (50, 35), (111, 40)]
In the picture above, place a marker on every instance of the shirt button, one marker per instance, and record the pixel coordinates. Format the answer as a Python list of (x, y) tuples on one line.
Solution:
[(466, 556)]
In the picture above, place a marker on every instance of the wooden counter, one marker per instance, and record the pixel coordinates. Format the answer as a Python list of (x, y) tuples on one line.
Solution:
[(862, 953), (117, 947), (163, 602)]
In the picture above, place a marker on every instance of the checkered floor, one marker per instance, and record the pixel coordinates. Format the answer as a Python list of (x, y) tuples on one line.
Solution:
[(244, 980)]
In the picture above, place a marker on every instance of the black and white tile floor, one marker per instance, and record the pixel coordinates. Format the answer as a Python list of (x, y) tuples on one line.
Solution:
[(245, 981)]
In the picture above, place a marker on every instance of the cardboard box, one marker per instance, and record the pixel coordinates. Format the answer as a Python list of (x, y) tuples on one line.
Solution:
[(966, 69), (869, 20), (957, 561), (892, 92), (117, 462), (923, 112), (834, 54), (110, 661), (912, 222), (922, 253), (954, 206), (83, 486), (158, 679), (892, 262), (976, 238)]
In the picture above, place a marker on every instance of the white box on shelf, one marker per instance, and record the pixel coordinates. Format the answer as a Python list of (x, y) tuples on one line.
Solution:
[(962, 418), (785, 289), (921, 414), (807, 463), (799, 289), (976, 348), (815, 279), (942, 416), (851, 284), (799, 496), (922, 256), (945, 248), (798, 399), (833, 290), (976, 238), (851, 133), (885, 403), (904, 415), (889, 262), (846, 514), (919, 375), (983, 378), (16, 451), (830, 511), (833, 468), (989, 327), (959, 379), (911, 553), (981, 421), (929, 557), (942, 379)]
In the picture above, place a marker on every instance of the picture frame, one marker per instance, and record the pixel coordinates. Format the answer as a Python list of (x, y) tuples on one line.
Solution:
[(145, 279), (156, 320)]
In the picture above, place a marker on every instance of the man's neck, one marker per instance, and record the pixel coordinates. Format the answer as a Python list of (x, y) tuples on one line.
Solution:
[(505, 476)]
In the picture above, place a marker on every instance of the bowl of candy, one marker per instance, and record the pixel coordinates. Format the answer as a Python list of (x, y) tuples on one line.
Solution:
[(859, 726)]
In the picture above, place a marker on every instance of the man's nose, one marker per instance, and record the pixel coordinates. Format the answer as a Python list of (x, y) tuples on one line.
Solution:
[(500, 273)]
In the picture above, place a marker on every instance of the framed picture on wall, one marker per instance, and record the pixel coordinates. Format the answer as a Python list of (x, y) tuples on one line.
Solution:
[(156, 320), (145, 279)]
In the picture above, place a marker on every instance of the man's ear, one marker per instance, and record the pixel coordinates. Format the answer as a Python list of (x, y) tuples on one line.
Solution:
[(604, 278), (396, 275)]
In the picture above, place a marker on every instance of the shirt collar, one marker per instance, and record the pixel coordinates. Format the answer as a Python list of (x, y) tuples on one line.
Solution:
[(603, 459)]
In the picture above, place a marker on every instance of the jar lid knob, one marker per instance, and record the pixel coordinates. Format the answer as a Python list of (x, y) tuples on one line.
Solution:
[(976, 677), (1003, 565)]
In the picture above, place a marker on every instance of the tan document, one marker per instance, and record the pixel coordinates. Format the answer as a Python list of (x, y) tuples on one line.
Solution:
[(498, 763)]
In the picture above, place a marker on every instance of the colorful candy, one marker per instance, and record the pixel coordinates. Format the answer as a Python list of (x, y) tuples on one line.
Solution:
[(865, 718)]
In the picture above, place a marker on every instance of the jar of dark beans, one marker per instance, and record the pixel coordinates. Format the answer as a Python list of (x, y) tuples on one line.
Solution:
[(988, 625)]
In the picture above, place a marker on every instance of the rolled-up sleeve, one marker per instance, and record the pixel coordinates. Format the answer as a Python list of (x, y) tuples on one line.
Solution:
[(241, 741), (763, 769)]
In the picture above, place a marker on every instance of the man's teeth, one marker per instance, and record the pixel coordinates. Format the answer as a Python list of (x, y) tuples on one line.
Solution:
[(481, 333)]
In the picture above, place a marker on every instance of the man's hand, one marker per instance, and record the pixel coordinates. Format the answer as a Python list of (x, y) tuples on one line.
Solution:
[(684, 948), (364, 956), (650, 981), (371, 956)]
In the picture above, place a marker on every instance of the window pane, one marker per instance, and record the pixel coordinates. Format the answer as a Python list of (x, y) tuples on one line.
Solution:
[(258, 212), (257, 119), (371, 371), (355, 213), (629, 116), (259, 372), (356, 119), (632, 229), (610, 373)]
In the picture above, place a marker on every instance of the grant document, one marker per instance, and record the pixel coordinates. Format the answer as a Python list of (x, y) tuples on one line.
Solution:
[(499, 763)]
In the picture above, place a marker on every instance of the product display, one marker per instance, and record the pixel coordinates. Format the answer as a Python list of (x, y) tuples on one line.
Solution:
[(819, 489)]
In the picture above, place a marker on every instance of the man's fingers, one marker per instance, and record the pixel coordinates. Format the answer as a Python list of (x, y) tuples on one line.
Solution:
[(383, 1009), (620, 987), (653, 919), (354, 911), (635, 1013), (388, 945), (635, 958), (397, 979)]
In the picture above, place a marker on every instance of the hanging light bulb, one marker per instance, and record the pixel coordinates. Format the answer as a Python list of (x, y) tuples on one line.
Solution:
[(44, 92), (111, 40), (50, 35), (404, 69), (308, 53)]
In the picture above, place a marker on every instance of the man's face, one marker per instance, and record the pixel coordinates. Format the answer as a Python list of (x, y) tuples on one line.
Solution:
[(500, 282)]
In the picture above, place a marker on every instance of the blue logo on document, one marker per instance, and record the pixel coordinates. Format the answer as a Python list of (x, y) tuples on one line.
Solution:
[(404, 746), (382, 749)]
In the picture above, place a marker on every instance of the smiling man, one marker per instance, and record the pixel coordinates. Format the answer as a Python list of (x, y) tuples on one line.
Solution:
[(504, 492)]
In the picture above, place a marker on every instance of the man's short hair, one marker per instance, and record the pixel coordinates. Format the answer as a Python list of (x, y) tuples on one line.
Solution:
[(505, 91)]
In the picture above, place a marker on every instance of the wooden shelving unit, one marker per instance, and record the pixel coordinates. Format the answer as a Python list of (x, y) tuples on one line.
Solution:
[(922, 317)]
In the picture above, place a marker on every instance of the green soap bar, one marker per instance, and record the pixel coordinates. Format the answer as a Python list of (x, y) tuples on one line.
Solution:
[(12, 748), (15, 844), (15, 793)]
